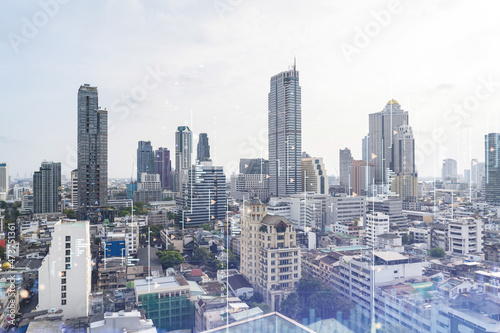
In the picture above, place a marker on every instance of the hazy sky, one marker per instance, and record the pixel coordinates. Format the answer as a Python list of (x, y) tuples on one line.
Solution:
[(207, 64)]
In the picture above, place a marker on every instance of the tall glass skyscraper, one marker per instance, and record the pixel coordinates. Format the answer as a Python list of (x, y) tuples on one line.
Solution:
[(183, 151), (92, 155), (145, 159), (163, 167), (383, 125), (285, 133), (203, 148), (492, 165), (47, 188)]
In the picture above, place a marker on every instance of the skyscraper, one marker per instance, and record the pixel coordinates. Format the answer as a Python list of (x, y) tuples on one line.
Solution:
[(449, 169), (74, 188), (203, 148), (205, 196), (183, 150), (365, 148), (4, 181), (92, 155), (285, 133), (383, 125), (163, 167), (47, 188), (345, 161), (403, 152), (314, 175), (145, 159), (492, 182)]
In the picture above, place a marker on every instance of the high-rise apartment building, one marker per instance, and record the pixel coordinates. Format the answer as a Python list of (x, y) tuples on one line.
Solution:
[(383, 126), (145, 159), (47, 188), (345, 160), (360, 177), (365, 148), (270, 256), (314, 175), (163, 167), (183, 151), (252, 180), (477, 172), (4, 181), (205, 196), (285, 133), (203, 148), (404, 181), (376, 224), (449, 170), (492, 165), (92, 155), (149, 188), (65, 273), (74, 188)]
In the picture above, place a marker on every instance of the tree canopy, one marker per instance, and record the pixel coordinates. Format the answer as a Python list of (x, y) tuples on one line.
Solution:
[(437, 252), (170, 258)]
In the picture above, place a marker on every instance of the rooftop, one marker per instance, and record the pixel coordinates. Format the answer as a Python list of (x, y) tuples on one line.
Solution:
[(389, 255), (156, 284)]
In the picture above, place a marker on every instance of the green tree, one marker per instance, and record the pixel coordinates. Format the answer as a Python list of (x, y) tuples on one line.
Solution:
[(437, 252), (406, 239), (202, 256), (170, 258), (290, 306), (70, 214), (257, 297)]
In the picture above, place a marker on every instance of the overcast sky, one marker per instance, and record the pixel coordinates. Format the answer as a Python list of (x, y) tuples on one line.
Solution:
[(207, 64)]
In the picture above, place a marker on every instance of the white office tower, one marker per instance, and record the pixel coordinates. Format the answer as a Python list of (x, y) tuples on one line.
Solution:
[(376, 224), (65, 274)]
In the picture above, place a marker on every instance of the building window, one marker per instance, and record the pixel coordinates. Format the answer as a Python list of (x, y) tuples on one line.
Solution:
[(272, 255), (272, 278), (63, 302), (68, 259), (280, 237), (68, 252), (291, 236), (63, 273), (272, 270), (68, 266), (63, 288), (63, 295), (68, 245), (63, 281), (296, 275), (68, 238)]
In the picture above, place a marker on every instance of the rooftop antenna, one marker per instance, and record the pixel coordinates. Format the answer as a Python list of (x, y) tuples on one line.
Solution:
[(294, 63)]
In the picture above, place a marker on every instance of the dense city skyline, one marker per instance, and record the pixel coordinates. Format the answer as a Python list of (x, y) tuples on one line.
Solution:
[(207, 66)]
